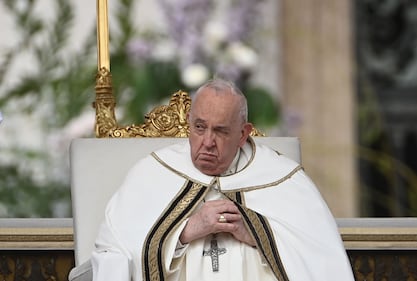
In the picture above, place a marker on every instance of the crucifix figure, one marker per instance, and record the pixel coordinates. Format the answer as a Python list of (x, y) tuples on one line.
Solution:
[(214, 253)]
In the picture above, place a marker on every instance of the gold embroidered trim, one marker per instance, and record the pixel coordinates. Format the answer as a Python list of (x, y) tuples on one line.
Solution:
[(154, 155), (277, 182), (245, 189), (262, 233), (238, 197), (176, 212), (253, 147)]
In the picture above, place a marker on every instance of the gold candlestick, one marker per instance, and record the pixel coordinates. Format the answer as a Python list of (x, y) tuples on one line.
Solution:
[(105, 102), (103, 60)]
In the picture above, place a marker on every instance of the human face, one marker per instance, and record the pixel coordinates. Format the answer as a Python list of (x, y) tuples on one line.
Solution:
[(216, 131)]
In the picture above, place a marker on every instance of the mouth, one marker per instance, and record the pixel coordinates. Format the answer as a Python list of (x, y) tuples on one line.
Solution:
[(207, 156)]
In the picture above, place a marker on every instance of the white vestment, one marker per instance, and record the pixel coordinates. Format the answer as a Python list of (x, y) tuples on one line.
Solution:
[(296, 236)]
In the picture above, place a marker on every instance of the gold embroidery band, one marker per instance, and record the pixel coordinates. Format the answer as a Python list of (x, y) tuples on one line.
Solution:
[(271, 184), (264, 237), (235, 197), (177, 211)]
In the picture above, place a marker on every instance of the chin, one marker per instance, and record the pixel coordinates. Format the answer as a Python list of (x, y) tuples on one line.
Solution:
[(208, 170)]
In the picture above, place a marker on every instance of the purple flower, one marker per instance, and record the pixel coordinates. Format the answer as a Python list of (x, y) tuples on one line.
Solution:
[(228, 71), (242, 18), (186, 20), (139, 49)]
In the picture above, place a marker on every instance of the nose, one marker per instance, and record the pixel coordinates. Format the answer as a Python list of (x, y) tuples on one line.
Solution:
[(208, 138)]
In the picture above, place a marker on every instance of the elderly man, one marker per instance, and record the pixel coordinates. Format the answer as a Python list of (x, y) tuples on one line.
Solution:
[(221, 207)]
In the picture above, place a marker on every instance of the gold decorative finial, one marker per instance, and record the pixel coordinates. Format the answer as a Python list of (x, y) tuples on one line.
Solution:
[(104, 104)]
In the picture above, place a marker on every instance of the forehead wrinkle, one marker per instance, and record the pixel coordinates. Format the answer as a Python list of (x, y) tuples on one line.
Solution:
[(201, 112)]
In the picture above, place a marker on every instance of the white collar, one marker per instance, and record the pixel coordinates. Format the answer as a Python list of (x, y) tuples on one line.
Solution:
[(240, 161)]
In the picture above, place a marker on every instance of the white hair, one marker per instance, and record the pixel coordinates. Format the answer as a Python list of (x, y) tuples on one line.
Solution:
[(221, 86)]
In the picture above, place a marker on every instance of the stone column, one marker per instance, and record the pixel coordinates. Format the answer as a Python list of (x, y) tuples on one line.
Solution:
[(318, 88)]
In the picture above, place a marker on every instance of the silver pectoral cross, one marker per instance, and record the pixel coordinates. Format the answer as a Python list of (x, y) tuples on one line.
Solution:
[(214, 253)]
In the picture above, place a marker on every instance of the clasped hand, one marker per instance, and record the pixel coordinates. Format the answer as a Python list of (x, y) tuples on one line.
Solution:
[(206, 221)]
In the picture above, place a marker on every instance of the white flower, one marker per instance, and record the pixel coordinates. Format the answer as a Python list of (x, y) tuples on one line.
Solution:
[(194, 75), (215, 34), (242, 55), (164, 51)]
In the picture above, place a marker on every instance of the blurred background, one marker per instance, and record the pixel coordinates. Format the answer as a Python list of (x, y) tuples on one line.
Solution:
[(340, 75)]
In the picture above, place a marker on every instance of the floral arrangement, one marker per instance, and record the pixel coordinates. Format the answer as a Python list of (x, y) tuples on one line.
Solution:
[(196, 46)]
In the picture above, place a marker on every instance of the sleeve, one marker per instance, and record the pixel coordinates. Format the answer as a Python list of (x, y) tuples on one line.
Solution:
[(110, 265), (109, 259), (174, 250)]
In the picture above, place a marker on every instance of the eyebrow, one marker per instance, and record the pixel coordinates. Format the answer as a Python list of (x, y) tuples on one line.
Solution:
[(198, 120), (218, 127)]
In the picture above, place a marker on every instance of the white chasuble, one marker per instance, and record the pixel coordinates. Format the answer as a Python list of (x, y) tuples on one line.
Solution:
[(296, 236)]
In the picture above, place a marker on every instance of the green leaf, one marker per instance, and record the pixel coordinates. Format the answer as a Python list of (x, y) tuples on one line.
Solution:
[(263, 109)]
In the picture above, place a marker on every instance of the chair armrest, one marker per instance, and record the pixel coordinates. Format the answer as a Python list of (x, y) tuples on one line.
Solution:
[(83, 272)]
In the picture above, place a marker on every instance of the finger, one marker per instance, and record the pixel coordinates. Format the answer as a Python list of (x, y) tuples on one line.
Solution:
[(221, 206), (229, 217), (231, 209), (222, 218), (225, 227), (219, 203)]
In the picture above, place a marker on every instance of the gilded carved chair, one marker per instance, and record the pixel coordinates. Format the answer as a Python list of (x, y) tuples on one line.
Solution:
[(98, 165)]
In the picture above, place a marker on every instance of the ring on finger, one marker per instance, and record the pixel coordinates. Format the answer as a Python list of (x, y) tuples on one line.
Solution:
[(222, 219)]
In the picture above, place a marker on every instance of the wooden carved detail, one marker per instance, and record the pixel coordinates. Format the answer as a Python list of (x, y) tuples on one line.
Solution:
[(48, 265), (35, 265), (377, 265)]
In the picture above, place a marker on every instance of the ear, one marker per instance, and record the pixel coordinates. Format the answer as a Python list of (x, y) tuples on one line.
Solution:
[(246, 129)]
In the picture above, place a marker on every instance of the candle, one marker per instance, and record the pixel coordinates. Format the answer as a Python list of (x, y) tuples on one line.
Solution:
[(103, 59)]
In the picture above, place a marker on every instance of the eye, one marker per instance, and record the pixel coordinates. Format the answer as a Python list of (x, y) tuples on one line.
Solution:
[(222, 131), (198, 127)]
